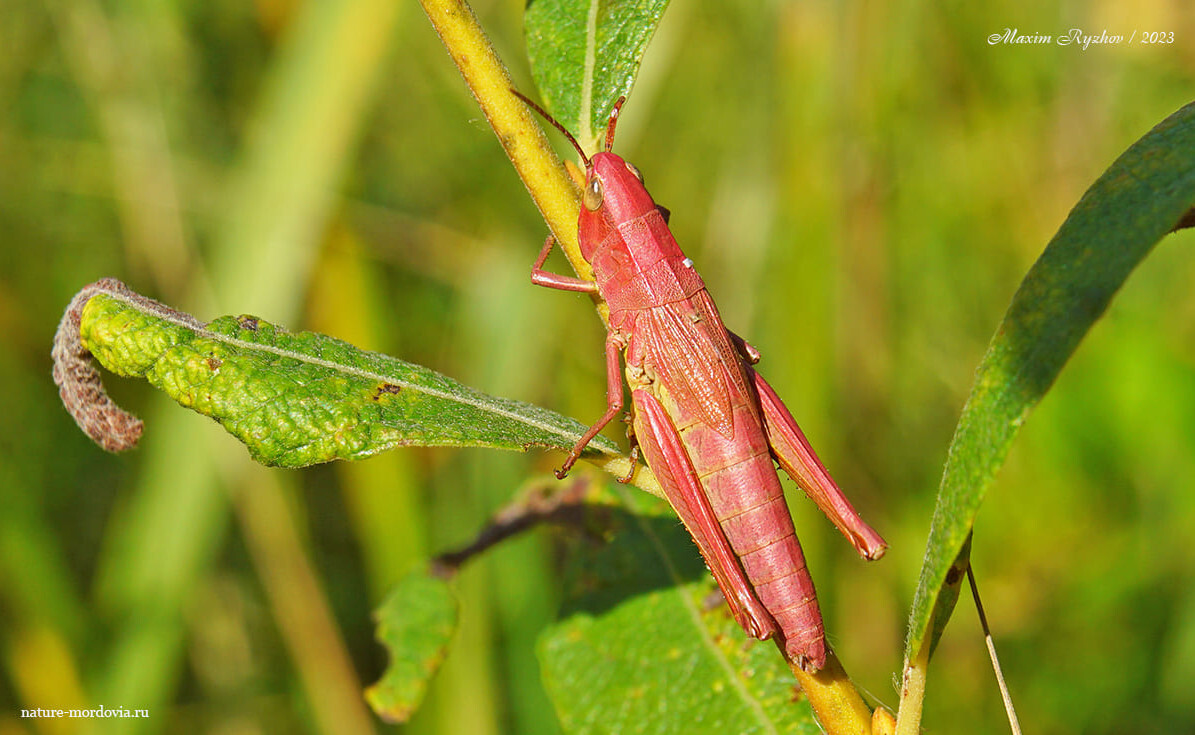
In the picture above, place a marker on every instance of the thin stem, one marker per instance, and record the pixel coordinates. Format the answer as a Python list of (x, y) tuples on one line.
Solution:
[(1013, 722), (543, 503), (299, 603)]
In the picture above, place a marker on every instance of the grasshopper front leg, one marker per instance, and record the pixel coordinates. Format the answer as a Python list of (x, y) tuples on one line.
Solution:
[(547, 279), (614, 404), (614, 344)]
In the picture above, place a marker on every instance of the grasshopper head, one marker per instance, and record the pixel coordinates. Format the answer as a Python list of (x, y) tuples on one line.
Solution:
[(614, 191), (614, 194)]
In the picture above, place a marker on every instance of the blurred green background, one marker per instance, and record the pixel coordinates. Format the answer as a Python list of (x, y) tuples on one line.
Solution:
[(863, 186)]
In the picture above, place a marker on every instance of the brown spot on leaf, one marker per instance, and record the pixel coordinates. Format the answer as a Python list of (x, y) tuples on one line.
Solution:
[(214, 363), (386, 389), (248, 322)]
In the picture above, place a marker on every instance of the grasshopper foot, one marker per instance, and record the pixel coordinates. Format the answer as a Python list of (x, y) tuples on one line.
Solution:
[(634, 457)]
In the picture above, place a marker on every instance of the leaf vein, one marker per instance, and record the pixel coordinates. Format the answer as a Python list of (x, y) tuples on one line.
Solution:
[(492, 408)]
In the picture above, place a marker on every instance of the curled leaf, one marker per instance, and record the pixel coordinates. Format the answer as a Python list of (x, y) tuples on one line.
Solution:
[(78, 380), (294, 399)]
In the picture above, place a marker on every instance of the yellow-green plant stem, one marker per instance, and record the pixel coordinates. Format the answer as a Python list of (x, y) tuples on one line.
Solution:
[(912, 694), (834, 699), (554, 192), (839, 708), (520, 134)]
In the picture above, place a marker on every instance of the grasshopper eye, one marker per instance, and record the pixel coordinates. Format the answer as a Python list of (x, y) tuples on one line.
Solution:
[(592, 198), (634, 171)]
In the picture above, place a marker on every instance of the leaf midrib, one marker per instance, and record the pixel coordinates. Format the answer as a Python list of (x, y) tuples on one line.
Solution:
[(585, 113), (344, 369)]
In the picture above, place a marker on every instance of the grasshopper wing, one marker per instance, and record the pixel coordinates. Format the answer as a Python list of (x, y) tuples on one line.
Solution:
[(694, 359)]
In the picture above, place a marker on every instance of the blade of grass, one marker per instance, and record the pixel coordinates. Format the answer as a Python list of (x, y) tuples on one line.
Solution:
[(382, 495), (166, 536), (298, 603)]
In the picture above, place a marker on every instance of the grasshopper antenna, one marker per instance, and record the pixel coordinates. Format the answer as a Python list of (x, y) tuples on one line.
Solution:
[(613, 121), (544, 113)]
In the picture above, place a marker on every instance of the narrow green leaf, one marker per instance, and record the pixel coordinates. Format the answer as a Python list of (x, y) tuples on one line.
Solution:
[(641, 648), (302, 398), (1137, 201), (415, 624), (948, 594), (585, 54)]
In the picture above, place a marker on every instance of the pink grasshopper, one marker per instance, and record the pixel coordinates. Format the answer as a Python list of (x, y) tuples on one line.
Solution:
[(708, 424)]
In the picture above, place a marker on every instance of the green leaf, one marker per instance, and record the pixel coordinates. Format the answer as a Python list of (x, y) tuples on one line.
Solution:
[(948, 594), (302, 398), (585, 54), (640, 647), (1135, 203), (415, 624)]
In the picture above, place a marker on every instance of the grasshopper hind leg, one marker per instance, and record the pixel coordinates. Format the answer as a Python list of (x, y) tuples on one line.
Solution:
[(665, 454)]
